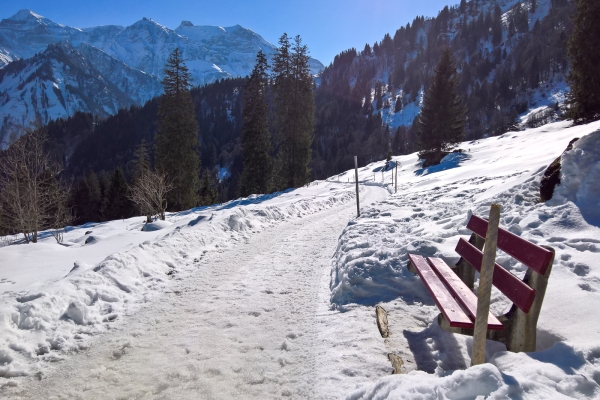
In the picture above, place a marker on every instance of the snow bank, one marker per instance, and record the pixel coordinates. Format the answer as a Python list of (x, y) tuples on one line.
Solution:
[(156, 226), (563, 371), (580, 178), (61, 314)]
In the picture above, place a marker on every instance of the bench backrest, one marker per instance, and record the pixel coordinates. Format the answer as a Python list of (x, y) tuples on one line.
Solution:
[(530, 254), (515, 289)]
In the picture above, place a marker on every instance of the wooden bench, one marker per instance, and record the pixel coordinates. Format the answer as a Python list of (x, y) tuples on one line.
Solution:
[(451, 287)]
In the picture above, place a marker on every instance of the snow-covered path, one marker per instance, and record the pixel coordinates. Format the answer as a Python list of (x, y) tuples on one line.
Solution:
[(253, 321)]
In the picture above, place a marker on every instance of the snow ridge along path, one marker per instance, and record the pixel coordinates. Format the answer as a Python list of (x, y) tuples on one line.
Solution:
[(251, 320)]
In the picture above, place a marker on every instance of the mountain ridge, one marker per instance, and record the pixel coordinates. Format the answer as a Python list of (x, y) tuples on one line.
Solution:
[(211, 53)]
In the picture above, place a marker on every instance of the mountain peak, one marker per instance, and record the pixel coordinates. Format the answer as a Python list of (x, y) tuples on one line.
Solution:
[(149, 23), (185, 23), (26, 15)]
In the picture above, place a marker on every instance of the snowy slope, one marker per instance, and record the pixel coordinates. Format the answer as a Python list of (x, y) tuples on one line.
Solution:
[(550, 93), (221, 301), (429, 214)]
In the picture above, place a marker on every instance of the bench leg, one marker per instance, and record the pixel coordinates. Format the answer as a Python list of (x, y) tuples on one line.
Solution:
[(520, 329)]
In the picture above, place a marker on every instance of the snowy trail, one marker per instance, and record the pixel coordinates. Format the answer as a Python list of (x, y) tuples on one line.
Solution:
[(254, 321)]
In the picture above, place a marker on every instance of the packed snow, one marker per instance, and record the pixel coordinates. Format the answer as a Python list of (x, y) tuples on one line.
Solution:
[(273, 296)]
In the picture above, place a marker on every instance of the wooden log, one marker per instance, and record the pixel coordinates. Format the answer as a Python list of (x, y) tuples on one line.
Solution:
[(382, 322), (397, 363)]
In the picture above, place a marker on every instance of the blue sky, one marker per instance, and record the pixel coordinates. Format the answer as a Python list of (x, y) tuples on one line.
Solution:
[(327, 26)]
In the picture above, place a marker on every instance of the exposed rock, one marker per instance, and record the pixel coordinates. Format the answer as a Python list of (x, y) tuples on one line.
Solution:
[(551, 176)]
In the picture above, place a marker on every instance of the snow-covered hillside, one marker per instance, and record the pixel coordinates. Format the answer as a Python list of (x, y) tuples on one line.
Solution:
[(125, 64), (63, 80), (262, 297), (549, 94)]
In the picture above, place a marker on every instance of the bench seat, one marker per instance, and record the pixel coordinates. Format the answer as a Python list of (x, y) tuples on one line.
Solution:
[(455, 300)]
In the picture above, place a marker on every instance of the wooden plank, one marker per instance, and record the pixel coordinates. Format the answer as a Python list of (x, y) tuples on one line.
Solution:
[(530, 254), (449, 307), (512, 287), (461, 292)]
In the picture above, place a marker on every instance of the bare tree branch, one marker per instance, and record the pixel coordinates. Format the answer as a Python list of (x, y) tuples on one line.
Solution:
[(149, 193)]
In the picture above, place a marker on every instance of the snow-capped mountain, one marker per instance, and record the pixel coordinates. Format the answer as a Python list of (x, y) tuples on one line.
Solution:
[(101, 69), (63, 80), (211, 52)]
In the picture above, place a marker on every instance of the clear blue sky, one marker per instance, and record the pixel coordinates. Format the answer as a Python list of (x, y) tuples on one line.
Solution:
[(326, 26)]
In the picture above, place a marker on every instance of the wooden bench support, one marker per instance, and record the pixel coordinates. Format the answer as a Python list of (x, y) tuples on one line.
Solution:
[(520, 329), (463, 269)]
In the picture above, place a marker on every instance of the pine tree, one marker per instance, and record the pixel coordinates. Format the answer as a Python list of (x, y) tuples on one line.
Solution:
[(116, 204), (256, 139), (584, 97), (441, 120), (86, 200), (177, 136), (207, 194), (295, 111), (141, 161)]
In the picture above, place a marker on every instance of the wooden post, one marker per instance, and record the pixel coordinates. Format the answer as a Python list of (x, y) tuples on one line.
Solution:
[(485, 286), (396, 190), (356, 175)]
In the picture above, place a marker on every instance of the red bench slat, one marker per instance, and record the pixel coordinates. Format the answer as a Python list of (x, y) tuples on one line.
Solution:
[(449, 307), (512, 287), (530, 254), (462, 293)]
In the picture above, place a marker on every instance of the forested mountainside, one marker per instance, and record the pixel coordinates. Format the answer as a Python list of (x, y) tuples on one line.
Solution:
[(87, 143), (511, 57)]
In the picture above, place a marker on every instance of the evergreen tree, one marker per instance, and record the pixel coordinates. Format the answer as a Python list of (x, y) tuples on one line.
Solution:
[(116, 204), (86, 200), (177, 136), (584, 98), (295, 109), (141, 162), (207, 195), (256, 140), (441, 121)]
